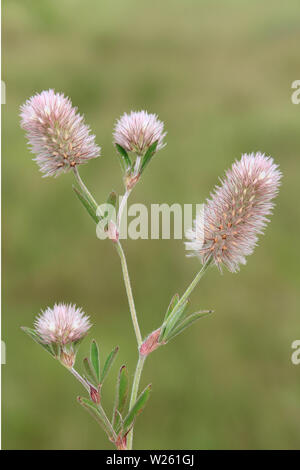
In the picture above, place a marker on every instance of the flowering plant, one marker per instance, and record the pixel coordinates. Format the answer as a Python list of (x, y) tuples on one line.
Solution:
[(223, 234)]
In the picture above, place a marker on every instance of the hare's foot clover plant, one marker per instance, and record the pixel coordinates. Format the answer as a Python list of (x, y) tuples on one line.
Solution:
[(224, 233)]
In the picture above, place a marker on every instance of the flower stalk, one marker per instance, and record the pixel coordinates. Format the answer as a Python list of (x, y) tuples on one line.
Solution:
[(84, 188)]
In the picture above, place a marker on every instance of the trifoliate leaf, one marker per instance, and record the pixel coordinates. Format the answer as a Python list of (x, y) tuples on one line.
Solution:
[(188, 321)]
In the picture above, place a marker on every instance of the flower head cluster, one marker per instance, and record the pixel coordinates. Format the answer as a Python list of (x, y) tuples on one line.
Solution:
[(63, 324), (137, 131), (227, 229), (56, 132)]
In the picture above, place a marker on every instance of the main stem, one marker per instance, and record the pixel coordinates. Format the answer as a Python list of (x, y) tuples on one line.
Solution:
[(141, 360), (121, 208), (134, 392), (129, 293)]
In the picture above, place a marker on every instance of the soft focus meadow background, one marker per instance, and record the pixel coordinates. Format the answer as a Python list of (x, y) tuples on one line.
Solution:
[(219, 74)]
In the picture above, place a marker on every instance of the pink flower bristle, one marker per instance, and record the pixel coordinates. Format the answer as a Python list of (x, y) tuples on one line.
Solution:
[(236, 213), (138, 130), (63, 324), (56, 133)]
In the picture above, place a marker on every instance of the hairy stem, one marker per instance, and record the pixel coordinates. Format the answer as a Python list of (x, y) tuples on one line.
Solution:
[(141, 360), (107, 423), (83, 186), (121, 208), (79, 378), (102, 412), (134, 392), (193, 284), (129, 293)]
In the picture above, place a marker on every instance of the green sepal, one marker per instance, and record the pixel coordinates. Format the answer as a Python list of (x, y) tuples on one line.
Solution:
[(87, 204), (89, 372), (122, 390), (137, 408), (95, 359), (188, 321), (148, 155), (108, 363), (124, 158), (30, 332)]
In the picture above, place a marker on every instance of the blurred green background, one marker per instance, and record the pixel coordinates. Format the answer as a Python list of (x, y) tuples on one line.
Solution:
[(219, 75)]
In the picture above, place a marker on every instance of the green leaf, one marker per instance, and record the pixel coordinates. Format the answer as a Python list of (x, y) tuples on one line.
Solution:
[(95, 361), (89, 372), (124, 158), (112, 199), (87, 204), (173, 303), (148, 155), (188, 321), (174, 318), (109, 210), (108, 363), (137, 407), (94, 411), (30, 332), (121, 395)]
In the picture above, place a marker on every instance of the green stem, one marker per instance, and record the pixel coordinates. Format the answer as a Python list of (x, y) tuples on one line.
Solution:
[(121, 208), (193, 284), (129, 293), (107, 423), (134, 392), (141, 361), (101, 410), (83, 186), (79, 378)]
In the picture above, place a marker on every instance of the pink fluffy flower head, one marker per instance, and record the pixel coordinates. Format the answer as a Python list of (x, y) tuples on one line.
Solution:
[(63, 324), (137, 131), (227, 229), (56, 133)]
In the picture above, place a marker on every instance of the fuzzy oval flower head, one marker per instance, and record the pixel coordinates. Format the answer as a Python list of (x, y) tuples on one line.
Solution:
[(63, 324), (56, 133), (137, 131), (227, 229)]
